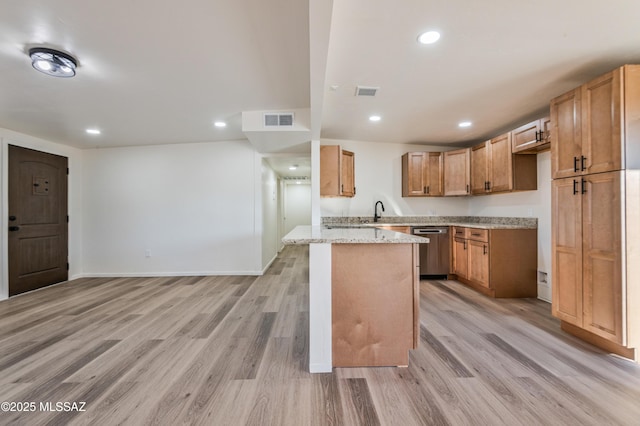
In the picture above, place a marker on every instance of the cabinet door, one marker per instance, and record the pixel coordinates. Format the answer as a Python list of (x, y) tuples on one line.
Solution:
[(460, 258), (479, 162), (601, 124), (545, 128), (434, 174), (526, 136), (414, 174), (478, 253), (602, 255), (347, 181), (566, 139), (330, 171), (566, 241), (456, 172), (500, 164)]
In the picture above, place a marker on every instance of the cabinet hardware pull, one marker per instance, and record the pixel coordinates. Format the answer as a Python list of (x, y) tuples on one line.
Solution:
[(575, 164), (484, 249), (14, 228), (354, 190), (584, 186), (341, 188), (475, 234), (575, 187), (538, 136), (583, 159), (424, 189), (488, 185), (465, 245), (467, 188), (12, 218)]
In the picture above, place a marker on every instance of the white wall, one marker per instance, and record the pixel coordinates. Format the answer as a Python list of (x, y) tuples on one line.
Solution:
[(378, 175), (8, 137), (297, 205), (526, 204), (270, 240), (193, 206)]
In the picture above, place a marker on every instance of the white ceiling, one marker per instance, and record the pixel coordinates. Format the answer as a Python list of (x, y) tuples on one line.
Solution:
[(161, 72)]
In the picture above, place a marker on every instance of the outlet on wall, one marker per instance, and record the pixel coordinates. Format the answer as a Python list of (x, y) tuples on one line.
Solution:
[(542, 277), (147, 253)]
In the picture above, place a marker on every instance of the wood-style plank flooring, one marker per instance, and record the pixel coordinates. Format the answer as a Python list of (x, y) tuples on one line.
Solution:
[(234, 350)]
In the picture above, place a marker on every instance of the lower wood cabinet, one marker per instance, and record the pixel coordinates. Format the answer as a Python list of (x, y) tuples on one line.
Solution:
[(596, 258), (396, 228), (375, 292), (497, 262)]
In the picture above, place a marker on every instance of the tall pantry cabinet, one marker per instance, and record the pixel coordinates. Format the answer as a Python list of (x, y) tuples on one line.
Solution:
[(595, 157)]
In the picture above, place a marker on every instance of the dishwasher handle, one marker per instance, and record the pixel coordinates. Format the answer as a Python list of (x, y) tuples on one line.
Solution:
[(429, 231)]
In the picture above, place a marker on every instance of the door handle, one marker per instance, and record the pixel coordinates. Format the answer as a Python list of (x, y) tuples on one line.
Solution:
[(14, 228), (484, 249)]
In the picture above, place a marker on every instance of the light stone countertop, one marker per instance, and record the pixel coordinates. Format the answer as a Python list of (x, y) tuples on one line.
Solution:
[(477, 222), (348, 235)]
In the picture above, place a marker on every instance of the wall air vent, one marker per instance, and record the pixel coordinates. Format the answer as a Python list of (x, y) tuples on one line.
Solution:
[(278, 120), (366, 91)]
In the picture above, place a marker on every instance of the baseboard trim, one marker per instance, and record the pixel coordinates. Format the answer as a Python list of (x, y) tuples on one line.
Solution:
[(320, 368), (268, 264), (163, 274), (600, 342)]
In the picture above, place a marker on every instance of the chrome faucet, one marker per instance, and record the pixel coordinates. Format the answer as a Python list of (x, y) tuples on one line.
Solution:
[(375, 211)]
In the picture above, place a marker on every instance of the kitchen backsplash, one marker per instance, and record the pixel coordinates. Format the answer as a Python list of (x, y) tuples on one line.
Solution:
[(529, 222)]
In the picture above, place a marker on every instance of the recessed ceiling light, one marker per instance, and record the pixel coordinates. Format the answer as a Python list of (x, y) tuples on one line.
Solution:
[(298, 183), (429, 37), (220, 124), (375, 118), (93, 131), (464, 124), (294, 167)]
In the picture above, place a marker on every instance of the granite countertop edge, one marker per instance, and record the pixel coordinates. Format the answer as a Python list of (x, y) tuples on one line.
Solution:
[(348, 235)]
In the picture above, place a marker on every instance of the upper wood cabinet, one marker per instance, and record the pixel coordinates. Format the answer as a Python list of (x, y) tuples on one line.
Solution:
[(457, 172), (422, 174), (532, 138), (596, 127), (337, 172), (495, 169)]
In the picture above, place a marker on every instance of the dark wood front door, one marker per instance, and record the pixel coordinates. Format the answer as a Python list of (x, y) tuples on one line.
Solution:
[(37, 219)]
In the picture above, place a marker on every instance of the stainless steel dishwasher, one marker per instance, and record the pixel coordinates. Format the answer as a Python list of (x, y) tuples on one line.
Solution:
[(435, 256)]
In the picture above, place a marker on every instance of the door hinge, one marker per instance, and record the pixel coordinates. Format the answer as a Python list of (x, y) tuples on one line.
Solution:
[(67, 218), (67, 171), (67, 266)]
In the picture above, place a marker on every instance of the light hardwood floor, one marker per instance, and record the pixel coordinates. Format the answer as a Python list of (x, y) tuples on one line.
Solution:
[(233, 350)]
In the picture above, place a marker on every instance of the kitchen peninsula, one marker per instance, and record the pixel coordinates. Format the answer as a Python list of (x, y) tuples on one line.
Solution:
[(364, 295)]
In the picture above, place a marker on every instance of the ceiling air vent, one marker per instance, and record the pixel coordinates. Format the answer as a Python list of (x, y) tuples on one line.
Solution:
[(366, 91), (278, 120)]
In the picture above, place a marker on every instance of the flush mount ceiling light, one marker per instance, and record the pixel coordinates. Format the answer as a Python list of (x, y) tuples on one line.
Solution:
[(294, 167), (220, 124), (93, 131), (464, 124), (53, 62), (375, 118), (429, 37)]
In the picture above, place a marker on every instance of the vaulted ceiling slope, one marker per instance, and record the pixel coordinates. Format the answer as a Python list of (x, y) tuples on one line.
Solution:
[(161, 72)]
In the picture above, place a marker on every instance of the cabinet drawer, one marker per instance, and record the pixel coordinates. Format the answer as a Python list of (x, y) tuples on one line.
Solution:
[(478, 234), (460, 232)]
